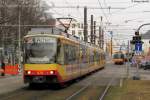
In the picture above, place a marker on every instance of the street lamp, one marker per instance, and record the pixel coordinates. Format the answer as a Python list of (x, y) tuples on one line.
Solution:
[(19, 37)]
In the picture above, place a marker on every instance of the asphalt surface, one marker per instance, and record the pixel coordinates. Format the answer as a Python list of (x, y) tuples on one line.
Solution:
[(9, 83)]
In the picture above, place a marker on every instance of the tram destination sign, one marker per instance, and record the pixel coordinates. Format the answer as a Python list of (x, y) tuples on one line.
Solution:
[(44, 40), (40, 40)]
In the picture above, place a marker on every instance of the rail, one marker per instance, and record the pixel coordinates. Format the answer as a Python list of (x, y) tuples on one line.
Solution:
[(74, 95), (106, 89), (79, 91)]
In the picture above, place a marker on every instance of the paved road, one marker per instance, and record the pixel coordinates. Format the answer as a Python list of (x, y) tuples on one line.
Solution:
[(11, 83)]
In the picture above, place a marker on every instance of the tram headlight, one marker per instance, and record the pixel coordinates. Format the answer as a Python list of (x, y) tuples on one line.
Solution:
[(28, 72), (51, 72)]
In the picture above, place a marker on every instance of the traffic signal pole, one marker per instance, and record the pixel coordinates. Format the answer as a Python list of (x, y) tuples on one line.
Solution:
[(138, 40), (111, 50), (127, 63), (142, 26)]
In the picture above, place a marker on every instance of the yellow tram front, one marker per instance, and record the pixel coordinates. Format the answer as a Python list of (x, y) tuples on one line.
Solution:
[(118, 58), (42, 59)]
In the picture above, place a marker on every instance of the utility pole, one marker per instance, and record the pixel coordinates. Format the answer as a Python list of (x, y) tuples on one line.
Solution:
[(100, 36), (138, 49), (94, 36), (91, 28), (111, 46), (111, 42), (101, 33), (19, 38), (3, 15), (85, 24), (127, 64)]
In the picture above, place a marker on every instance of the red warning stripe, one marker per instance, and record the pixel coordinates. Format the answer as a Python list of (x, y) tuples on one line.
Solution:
[(1, 70), (13, 70)]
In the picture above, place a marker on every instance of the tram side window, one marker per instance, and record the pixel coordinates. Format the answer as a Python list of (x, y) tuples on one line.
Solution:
[(70, 54), (95, 54), (60, 57), (73, 54), (75, 50), (103, 56), (122, 56), (91, 56), (97, 57), (84, 54), (66, 54)]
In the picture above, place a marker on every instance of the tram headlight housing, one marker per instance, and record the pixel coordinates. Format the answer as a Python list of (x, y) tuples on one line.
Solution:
[(29, 72), (52, 72)]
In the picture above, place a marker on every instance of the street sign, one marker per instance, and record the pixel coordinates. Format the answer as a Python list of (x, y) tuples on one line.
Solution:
[(138, 46)]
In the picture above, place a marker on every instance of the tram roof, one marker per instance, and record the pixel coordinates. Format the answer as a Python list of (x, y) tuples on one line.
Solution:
[(58, 33)]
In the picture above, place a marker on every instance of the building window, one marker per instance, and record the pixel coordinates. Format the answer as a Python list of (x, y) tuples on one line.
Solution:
[(81, 25), (79, 32), (78, 25), (73, 25), (73, 32)]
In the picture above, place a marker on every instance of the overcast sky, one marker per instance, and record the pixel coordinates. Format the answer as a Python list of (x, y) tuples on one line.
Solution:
[(123, 21)]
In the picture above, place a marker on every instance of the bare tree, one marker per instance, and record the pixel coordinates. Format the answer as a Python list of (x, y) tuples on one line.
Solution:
[(32, 13)]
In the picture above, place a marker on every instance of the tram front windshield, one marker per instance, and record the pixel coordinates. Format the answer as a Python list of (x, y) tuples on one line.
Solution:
[(118, 56), (40, 50)]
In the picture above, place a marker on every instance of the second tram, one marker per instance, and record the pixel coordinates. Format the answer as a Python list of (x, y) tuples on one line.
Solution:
[(119, 58)]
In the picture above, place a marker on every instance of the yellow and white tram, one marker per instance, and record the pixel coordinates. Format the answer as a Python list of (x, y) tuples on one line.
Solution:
[(50, 58)]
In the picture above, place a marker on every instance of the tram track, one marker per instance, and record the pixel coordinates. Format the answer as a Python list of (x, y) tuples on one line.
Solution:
[(40, 94), (73, 92), (106, 89), (79, 91), (25, 94), (92, 91), (89, 88)]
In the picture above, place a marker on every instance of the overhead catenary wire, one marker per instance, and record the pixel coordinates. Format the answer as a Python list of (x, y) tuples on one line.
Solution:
[(102, 8), (79, 10), (67, 2), (105, 3), (103, 11), (89, 7), (124, 9), (63, 15), (68, 9)]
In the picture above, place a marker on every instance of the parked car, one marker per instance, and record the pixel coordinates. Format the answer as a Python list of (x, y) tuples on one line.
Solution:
[(147, 65), (143, 63)]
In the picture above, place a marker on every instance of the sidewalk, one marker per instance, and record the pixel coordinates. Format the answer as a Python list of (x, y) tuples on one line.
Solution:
[(144, 74), (10, 83)]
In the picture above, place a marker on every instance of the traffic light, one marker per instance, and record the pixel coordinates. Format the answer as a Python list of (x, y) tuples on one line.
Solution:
[(137, 33), (136, 39)]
